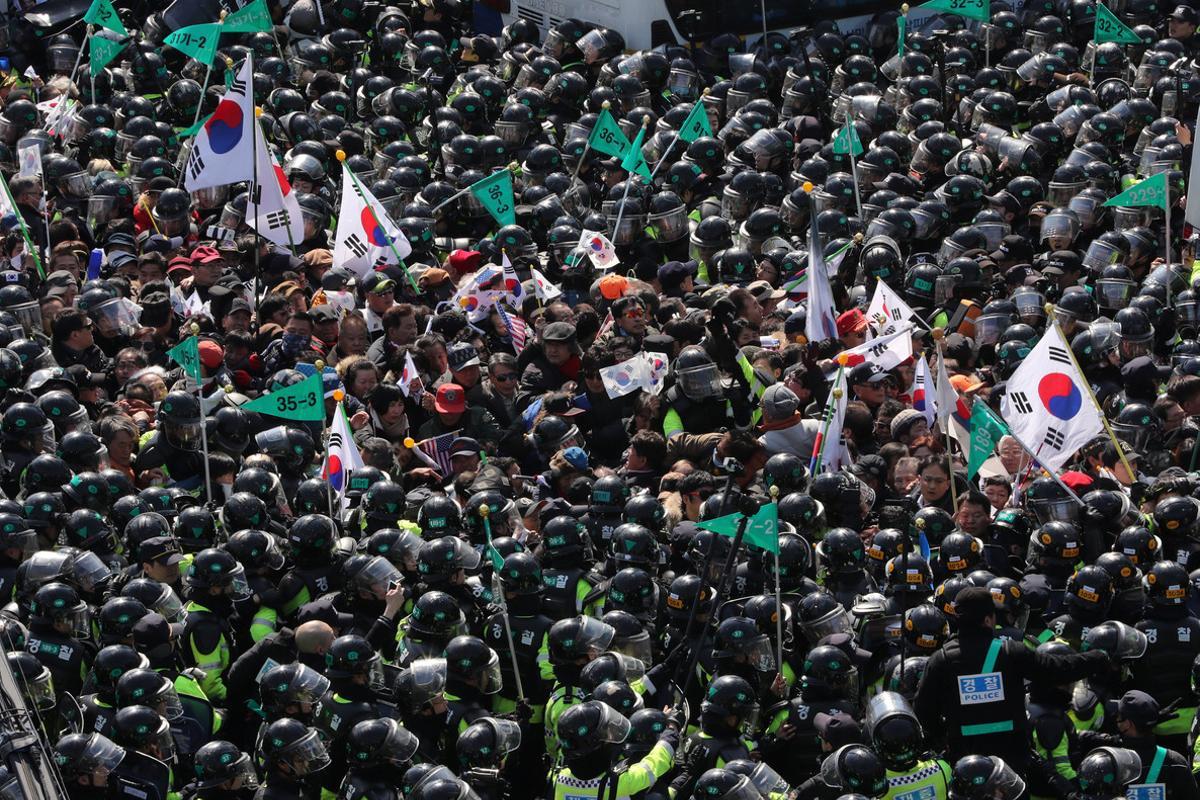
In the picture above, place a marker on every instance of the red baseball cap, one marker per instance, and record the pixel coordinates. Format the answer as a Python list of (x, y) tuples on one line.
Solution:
[(450, 399), (211, 354), (852, 320), (206, 255)]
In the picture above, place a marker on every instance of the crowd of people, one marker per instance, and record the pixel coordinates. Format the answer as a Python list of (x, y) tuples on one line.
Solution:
[(539, 583)]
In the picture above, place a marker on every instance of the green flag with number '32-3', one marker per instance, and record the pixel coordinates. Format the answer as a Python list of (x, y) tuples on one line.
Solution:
[(300, 402), (971, 9)]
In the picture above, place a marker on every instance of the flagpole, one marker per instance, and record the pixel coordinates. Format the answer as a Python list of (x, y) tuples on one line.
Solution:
[(203, 425), (1087, 389), (486, 512), (835, 394), (939, 336), (679, 134), (37, 260), (1052, 473), (629, 176), (854, 171), (87, 38), (341, 156), (778, 590), (203, 92)]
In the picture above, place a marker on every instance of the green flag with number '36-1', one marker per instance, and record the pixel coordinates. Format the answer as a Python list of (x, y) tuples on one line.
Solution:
[(606, 137), (300, 402)]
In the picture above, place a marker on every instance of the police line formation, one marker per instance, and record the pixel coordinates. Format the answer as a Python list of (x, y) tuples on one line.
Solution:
[(394, 409)]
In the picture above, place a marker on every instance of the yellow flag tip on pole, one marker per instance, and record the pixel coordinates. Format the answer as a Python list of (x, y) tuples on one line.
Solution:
[(338, 395), (195, 328), (774, 492), (340, 155), (938, 334), (837, 394), (229, 388), (258, 112), (858, 237), (904, 8), (606, 105), (410, 442), (319, 364), (1049, 309), (807, 187), (224, 14), (513, 166), (646, 121)]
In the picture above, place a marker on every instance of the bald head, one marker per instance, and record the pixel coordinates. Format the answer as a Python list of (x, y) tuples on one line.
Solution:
[(314, 637)]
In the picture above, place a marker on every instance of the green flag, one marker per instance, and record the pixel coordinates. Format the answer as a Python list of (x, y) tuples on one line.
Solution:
[(901, 30), (986, 430), (187, 355), (103, 14), (495, 192), (193, 130), (606, 137), (251, 18), (762, 530), (1150, 192), (496, 558), (847, 140), (634, 161), (103, 51), (696, 124), (1111, 29), (300, 402), (198, 41), (971, 9)]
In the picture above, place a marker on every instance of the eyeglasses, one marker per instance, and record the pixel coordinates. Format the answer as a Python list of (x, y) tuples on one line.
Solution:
[(933, 479)]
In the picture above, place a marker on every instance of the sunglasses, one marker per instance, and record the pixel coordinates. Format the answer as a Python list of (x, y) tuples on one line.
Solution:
[(634, 313), (505, 377)]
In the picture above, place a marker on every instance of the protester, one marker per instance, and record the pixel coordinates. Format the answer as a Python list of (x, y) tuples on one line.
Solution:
[(402, 405)]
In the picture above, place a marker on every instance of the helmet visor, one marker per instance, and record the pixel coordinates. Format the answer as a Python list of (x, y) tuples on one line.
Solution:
[(1059, 225), (835, 621), (426, 681), (377, 576), (1101, 254), (87, 571), (104, 754), (672, 225), (307, 686), (989, 327), (1129, 642), (700, 382), (1114, 293), (307, 754), (636, 648), (490, 680)]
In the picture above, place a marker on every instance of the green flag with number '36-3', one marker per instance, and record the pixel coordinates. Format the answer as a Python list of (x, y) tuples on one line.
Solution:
[(606, 137), (187, 355), (300, 402), (762, 530), (1150, 192), (495, 192)]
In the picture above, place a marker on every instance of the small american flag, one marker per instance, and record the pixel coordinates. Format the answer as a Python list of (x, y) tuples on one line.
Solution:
[(607, 325), (436, 451), (518, 331)]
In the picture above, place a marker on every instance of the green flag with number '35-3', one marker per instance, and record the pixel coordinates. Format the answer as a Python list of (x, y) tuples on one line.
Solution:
[(495, 192), (300, 402), (187, 355)]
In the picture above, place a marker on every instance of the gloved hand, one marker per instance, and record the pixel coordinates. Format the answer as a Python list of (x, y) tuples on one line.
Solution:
[(524, 711)]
